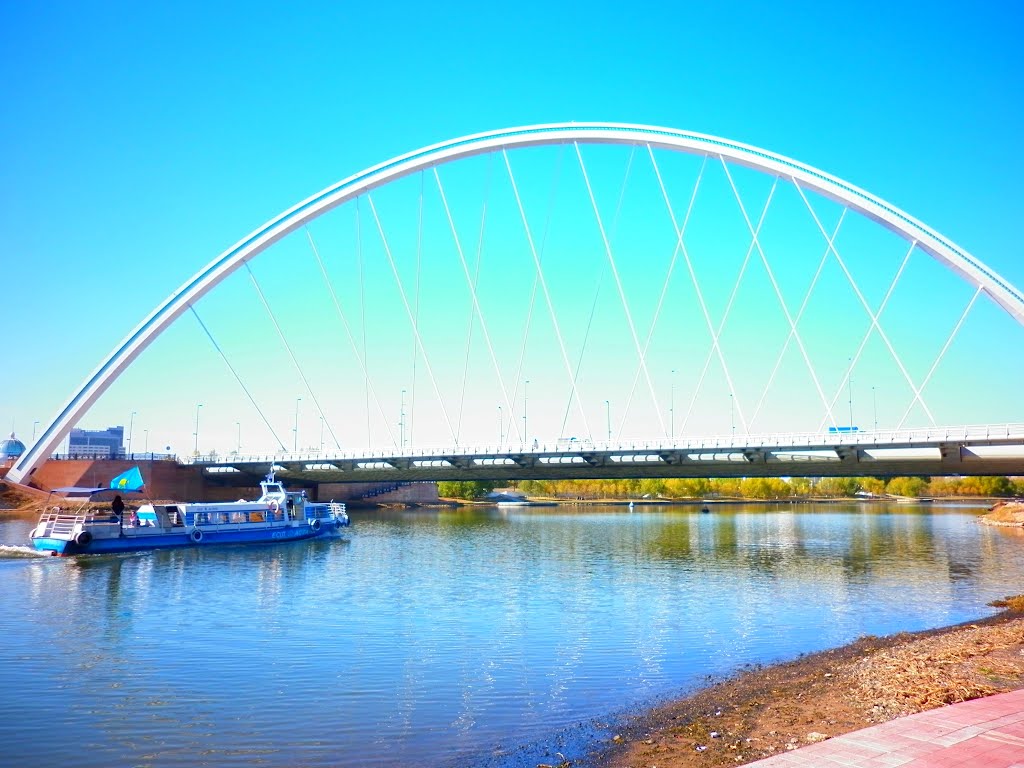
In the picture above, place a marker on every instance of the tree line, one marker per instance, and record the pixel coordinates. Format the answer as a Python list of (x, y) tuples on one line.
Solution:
[(764, 488)]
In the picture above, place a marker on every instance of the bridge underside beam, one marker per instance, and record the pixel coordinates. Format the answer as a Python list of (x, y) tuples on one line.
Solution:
[(757, 464)]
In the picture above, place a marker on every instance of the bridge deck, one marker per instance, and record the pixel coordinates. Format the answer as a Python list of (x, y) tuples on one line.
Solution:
[(972, 450)]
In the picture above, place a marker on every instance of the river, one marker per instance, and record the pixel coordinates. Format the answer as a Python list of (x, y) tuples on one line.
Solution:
[(454, 638)]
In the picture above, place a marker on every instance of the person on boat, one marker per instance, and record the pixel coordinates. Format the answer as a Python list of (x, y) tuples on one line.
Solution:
[(117, 507), (133, 519)]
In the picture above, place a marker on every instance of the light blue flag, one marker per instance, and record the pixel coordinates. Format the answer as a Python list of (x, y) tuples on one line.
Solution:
[(128, 481)]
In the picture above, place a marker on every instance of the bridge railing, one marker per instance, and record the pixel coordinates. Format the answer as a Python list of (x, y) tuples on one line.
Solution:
[(715, 443)]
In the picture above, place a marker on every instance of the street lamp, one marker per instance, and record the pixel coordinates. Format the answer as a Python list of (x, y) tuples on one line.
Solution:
[(145, 446), (672, 406), (874, 405), (732, 413), (238, 443), (526, 431), (401, 424), (501, 428), (34, 430), (295, 447), (608, 418), (131, 430), (850, 392), (196, 433), (321, 434)]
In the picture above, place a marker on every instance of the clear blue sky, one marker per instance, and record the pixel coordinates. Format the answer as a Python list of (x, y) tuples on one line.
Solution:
[(138, 141)]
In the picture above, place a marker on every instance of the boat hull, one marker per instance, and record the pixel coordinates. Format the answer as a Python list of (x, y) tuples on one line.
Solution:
[(277, 516), (138, 541)]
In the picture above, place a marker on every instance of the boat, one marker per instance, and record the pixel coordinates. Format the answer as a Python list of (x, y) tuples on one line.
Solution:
[(277, 515)]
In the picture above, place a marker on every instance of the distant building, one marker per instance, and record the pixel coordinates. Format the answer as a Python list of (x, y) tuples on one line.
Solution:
[(11, 449), (97, 444)]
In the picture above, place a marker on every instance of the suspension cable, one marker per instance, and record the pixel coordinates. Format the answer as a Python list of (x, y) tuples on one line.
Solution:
[(597, 289), (472, 289), (234, 373), (348, 331), (775, 286), (618, 283), (864, 303), (679, 231), (362, 319), (544, 288), (288, 348), (799, 315), (717, 334), (416, 312), (412, 320), (536, 284), (867, 335), (942, 353)]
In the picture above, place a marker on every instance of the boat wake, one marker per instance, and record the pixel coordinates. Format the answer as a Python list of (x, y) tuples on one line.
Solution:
[(15, 551)]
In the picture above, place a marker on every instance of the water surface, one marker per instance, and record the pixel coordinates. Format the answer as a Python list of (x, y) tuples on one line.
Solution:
[(456, 637)]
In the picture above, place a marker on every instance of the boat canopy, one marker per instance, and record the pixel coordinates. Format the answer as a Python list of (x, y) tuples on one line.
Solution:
[(73, 491)]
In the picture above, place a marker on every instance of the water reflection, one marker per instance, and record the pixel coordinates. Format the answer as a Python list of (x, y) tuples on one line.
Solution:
[(437, 638)]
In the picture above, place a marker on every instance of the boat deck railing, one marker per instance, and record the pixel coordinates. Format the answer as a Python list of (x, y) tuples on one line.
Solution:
[(60, 523), (325, 511)]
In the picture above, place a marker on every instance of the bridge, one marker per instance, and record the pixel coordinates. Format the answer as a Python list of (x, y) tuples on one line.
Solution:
[(552, 276), (978, 450)]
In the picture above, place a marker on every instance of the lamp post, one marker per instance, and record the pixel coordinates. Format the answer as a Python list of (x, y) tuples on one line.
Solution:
[(850, 392), (196, 433), (732, 413), (526, 431), (608, 418), (501, 428), (238, 441), (295, 446), (672, 406), (34, 430), (401, 424), (131, 431), (874, 406), (145, 447), (321, 434)]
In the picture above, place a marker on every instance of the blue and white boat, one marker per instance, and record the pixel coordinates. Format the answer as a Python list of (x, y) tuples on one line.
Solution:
[(278, 515)]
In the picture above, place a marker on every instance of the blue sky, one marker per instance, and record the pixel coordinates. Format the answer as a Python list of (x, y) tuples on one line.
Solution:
[(140, 141)]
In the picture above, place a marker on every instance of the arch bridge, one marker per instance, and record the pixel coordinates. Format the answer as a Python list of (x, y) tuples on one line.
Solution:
[(835, 447)]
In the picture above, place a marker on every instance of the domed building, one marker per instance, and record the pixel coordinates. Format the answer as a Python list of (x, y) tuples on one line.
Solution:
[(11, 448)]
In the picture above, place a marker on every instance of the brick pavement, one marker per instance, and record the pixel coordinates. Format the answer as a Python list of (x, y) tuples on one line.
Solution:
[(983, 733)]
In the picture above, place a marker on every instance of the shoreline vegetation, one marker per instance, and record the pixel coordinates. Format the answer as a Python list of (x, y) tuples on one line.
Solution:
[(750, 488)]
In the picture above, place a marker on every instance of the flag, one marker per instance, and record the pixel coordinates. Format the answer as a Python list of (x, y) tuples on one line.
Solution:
[(128, 481)]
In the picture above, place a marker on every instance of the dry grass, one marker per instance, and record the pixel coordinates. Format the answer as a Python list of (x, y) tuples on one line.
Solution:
[(1005, 513), (1012, 603), (929, 672)]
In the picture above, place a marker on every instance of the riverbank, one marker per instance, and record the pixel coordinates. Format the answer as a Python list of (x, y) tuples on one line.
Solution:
[(1009, 514), (726, 503), (764, 711)]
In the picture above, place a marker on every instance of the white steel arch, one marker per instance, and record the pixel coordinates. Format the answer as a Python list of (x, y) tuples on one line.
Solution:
[(928, 240)]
